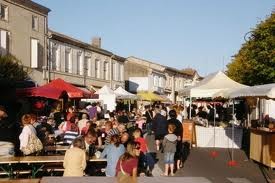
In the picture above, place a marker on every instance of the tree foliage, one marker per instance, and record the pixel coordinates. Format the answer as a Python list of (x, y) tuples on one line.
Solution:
[(12, 69), (254, 64)]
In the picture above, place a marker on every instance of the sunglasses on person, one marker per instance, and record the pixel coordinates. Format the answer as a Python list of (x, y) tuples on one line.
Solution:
[(138, 148)]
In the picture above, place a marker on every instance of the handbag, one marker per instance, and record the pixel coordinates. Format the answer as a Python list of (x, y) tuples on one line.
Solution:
[(34, 145), (123, 177)]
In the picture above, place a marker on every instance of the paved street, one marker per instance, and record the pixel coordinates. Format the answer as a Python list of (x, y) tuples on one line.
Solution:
[(200, 164)]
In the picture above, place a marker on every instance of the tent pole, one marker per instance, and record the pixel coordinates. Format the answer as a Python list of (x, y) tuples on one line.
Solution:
[(190, 108), (214, 124)]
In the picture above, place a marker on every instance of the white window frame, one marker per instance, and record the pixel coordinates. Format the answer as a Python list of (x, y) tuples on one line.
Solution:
[(88, 60), (4, 42), (106, 70), (97, 68), (121, 72), (67, 66), (79, 63), (156, 80), (114, 71), (34, 53)]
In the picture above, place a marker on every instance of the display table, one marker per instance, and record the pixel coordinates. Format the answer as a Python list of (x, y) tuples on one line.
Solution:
[(223, 137), (262, 146)]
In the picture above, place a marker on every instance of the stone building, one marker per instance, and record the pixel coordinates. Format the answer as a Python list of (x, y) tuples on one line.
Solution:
[(83, 64), (23, 33), (144, 75)]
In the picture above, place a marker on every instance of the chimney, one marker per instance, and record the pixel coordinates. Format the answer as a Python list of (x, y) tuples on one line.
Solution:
[(96, 42)]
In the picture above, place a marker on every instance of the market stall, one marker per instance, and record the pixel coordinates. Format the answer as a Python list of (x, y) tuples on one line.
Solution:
[(126, 96), (212, 86), (262, 137), (108, 96)]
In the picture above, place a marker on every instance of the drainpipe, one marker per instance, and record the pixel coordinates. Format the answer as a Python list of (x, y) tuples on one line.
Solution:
[(49, 50)]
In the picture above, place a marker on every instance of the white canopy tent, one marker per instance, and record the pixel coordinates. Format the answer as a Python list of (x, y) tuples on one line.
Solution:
[(123, 94), (214, 85), (261, 91), (108, 96), (266, 91)]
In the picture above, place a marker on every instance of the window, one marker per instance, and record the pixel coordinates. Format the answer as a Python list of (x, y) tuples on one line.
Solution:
[(79, 64), (118, 72), (3, 12), (34, 53), (68, 61), (161, 82), (57, 58), (113, 71), (35, 23), (55, 51), (97, 68), (106, 70), (121, 72), (89, 63), (4, 42), (156, 80)]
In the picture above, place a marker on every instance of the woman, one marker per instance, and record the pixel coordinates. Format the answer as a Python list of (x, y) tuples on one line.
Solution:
[(126, 168), (113, 151), (29, 142), (75, 159)]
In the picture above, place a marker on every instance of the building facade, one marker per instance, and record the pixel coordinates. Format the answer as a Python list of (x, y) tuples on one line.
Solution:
[(83, 64), (143, 75), (23, 34)]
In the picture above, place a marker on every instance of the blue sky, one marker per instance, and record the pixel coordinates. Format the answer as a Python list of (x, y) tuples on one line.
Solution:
[(178, 33)]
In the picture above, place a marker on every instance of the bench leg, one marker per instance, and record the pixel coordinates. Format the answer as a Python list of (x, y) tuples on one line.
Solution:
[(7, 169)]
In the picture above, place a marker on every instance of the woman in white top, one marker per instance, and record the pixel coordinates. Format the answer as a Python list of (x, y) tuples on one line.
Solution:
[(27, 130)]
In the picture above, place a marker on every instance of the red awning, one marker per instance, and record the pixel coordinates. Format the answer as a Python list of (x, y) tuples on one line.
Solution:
[(41, 91), (72, 91)]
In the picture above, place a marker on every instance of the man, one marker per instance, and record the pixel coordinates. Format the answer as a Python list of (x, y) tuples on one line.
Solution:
[(159, 127)]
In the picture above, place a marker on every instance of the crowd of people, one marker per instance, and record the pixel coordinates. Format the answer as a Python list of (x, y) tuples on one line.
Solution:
[(118, 135)]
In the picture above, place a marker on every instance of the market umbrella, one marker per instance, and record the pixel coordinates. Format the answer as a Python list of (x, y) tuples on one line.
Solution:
[(149, 96), (72, 91)]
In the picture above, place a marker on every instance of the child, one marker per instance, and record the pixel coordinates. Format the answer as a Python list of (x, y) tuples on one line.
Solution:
[(75, 159), (169, 147), (146, 160)]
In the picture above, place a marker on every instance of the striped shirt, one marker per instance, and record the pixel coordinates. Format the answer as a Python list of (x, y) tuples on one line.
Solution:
[(69, 136), (112, 132)]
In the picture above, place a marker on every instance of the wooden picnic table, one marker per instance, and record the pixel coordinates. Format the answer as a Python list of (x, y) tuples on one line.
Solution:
[(56, 148), (36, 162), (6, 164), (21, 181)]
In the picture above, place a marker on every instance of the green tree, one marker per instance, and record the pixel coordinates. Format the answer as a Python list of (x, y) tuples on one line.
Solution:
[(254, 64), (12, 69)]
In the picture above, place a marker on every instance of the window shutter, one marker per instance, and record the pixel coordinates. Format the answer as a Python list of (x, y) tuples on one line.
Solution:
[(3, 42), (34, 53)]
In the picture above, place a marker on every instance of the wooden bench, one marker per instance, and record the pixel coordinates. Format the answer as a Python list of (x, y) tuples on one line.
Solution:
[(37, 163), (20, 181)]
